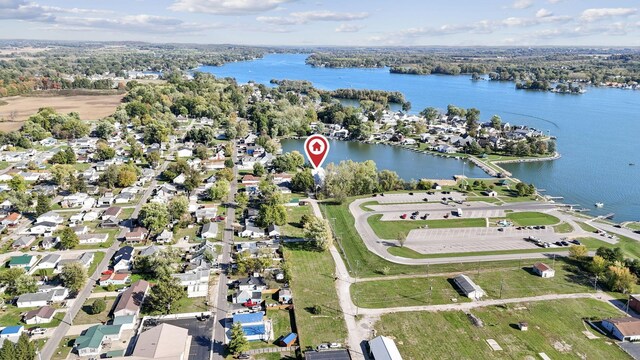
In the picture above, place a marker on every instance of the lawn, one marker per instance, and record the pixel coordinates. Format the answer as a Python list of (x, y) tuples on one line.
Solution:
[(507, 283), (186, 305), (190, 232), (586, 227), (629, 247), (391, 229), (126, 213), (633, 225), (313, 284), (64, 348), (293, 227), (552, 324), (97, 258), (369, 264), (85, 316), (405, 292), (532, 218)]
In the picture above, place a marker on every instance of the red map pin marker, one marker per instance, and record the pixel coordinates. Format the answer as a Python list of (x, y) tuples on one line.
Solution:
[(317, 147)]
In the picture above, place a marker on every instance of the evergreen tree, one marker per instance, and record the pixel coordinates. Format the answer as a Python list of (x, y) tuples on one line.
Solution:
[(44, 204), (238, 343)]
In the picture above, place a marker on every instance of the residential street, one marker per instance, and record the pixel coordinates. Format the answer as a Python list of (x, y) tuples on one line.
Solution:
[(220, 309)]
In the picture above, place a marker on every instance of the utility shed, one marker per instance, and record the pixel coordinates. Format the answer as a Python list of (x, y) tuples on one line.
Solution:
[(383, 348), (327, 355), (468, 287)]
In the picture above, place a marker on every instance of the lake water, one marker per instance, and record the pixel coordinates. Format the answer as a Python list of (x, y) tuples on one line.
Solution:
[(598, 132)]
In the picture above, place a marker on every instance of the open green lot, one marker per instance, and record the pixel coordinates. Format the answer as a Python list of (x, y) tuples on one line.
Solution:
[(391, 229), (510, 283), (555, 328), (532, 218), (634, 225), (405, 292), (563, 228), (313, 284), (293, 227), (86, 317), (98, 256), (64, 348)]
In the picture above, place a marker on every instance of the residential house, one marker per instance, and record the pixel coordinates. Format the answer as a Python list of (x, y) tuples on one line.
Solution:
[(49, 261), (273, 230), (623, 329), (250, 181), (128, 305), (251, 230), (164, 342), (50, 217), (206, 212), (49, 242), (135, 236), (165, 237), (180, 179), (93, 238), (42, 228), (123, 259), (543, 270), (254, 326), (110, 223), (124, 198), (85, 260), (634, 302), (80, 229), (251, 283), (12, 219), (77, 200), (45, 296), (11, 333), (114, 278), (107, 199), (23, 241), (23, 261), (151, 250), (468, 287), (184, 153), (92, 340), (196, 283), (209, 230), (42, 315)]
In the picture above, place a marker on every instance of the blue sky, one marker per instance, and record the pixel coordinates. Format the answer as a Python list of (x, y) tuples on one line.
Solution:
[(328, 22)]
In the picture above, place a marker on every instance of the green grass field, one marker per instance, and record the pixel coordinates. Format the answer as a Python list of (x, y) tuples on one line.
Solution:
[(553, 325), (510, 283), (391, 229), (313, 284), (85, 316), (293, 228), (532, 218), (98, 256), (405, 292), (563, 228), (634, 225)]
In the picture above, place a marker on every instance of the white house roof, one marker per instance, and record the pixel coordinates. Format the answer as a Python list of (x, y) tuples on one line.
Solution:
[(383, 348)]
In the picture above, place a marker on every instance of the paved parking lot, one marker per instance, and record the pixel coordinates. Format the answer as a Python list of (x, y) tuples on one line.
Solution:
[(438, 210), (440, 241), (417, 196), (200, 332)]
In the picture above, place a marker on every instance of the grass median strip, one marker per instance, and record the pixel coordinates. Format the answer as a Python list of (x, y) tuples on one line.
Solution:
[(390, 229), (532, 218)]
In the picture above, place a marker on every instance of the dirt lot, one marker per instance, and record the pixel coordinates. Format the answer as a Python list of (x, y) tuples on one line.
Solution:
[(90, 107)]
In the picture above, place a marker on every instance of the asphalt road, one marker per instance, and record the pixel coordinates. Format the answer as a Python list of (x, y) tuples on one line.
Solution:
[(219, 336)]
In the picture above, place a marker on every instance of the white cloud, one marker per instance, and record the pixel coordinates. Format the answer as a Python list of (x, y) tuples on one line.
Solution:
[(227, 7), (590, 15), (522, 4), (299, 18), (136, 23), (349, 28), (542, 13)]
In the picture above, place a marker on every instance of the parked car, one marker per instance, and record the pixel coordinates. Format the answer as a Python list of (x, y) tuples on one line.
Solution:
[(335, 345), (244, 356), (37, 331), (323, 347), (403, 216), (575, 242)]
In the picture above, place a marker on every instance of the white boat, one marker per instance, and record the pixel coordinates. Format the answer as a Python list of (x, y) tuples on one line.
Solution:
[(599, 204)]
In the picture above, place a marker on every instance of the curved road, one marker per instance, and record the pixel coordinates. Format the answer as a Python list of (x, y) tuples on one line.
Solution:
[(380, 246)]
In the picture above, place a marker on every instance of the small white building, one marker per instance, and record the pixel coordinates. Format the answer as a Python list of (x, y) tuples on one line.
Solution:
[(543, 270), (383, 348)]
